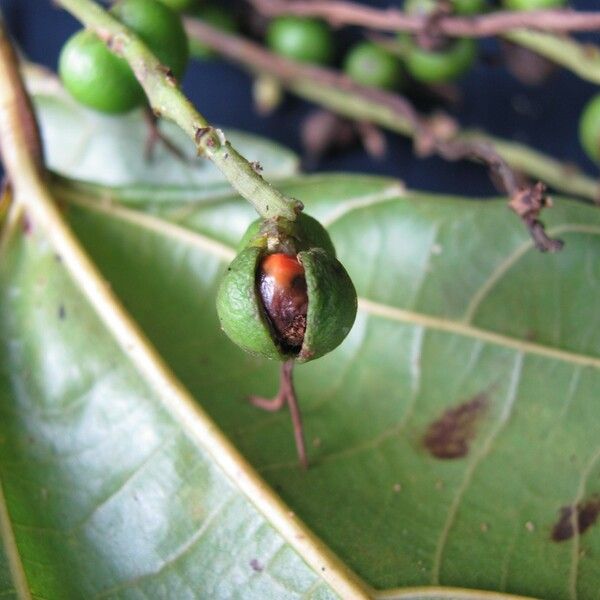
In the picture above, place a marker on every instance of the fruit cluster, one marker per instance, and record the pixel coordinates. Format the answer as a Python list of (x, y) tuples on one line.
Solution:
[(99, 79), (368, 63), (286, 295)]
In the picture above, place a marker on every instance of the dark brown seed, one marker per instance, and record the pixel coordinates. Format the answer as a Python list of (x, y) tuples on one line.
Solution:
[(282, 288)]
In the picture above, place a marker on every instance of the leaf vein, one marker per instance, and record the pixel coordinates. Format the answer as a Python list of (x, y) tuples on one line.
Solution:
[(513, 258), (393, 192), (574, 568), (174, 557), (369, 306), (484, 451)]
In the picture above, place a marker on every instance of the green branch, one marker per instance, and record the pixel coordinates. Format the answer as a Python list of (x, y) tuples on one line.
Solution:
[(167, 100)]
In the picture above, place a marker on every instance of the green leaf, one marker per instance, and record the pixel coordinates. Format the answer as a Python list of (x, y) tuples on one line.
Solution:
[(457, 420), (452, 436), (109, 492)]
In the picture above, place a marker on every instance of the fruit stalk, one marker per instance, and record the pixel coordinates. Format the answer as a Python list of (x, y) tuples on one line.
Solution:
[(287, 395), (167, 100)]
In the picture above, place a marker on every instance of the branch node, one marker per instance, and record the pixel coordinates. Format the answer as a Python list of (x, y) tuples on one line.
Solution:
[(528, 202), (298, 206), (113, 42), (168, 75), (431, 37), (199, 135)]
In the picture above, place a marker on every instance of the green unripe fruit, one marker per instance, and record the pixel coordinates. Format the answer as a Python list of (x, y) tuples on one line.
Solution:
[(460, 7), (371, 65), (420, 7), (439, 66), (532, 4), (283, 299), (105, 82), (443, 64), (332, 303), (302, 39), (589, 128), (468, 7), (218, 18), (97, 78), (159, 27), (179, 5)]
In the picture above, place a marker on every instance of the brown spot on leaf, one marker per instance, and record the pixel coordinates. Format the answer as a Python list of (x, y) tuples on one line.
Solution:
[(576, 519), (449, 436), (256, 566)]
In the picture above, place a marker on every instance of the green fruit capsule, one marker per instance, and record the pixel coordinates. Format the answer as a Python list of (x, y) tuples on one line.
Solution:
[(459, 7), (371, 65), (97, 78), (159, 27), (532, 4), (105, 82), (444, 64), (301, 38), (589, 128), (284, 304), (440, 66)]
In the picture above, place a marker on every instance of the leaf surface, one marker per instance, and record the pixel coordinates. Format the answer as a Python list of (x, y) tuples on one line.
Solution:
[(88, 145), (456, 422), (453, 435), (107, 494)]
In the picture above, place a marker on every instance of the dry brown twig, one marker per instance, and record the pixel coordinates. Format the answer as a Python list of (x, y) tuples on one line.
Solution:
[(340, 13), (527, 201)]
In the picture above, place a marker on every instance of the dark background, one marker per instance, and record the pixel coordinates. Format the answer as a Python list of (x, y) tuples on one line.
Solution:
[(544, 117)]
